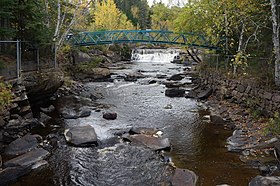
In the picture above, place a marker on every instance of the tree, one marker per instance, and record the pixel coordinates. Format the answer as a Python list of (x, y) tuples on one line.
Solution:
[(276, 41), (137, 11), (163, 17), (243, 23), (108, 17), (6, 18)]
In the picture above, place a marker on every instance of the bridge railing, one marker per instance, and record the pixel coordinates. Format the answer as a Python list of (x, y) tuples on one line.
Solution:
[(141, 36)]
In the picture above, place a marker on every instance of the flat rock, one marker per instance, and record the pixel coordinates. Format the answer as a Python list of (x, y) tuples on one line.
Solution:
[(11, 174), (205, 93), (143, 130), (22, 145), (265, 181), (174, 92), (110, 115), (28, 158), (81, 136), (154, 143), (184, 177)]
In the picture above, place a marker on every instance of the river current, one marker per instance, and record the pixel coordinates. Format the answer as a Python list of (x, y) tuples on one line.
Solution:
[(196, 144)]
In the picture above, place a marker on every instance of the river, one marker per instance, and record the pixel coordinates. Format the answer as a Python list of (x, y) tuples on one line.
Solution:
[(196, 144)]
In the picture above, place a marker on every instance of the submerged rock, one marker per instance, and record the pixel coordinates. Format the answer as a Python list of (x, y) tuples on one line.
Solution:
[(143, 130), (110, 115), (23, 145), (265, 181), (81, 136), (154, 143), (184, 177), (28, 158), (11, 174)]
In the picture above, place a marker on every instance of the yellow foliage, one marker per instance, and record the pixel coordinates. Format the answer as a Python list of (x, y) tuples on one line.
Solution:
[(108, 17)]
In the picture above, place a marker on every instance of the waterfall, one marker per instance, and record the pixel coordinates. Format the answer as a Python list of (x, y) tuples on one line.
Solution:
[(154, 55)]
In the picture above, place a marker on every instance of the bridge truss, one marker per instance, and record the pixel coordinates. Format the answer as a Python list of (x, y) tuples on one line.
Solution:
[(142, 36)]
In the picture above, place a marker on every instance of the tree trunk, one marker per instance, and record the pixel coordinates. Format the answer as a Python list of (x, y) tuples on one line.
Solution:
[(275, 38)]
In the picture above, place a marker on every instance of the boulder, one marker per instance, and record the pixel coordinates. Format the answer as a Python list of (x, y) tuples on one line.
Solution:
[(176, 77), (154, 143), (81, 57), (204, 94), (93, 74), (81, 136), (217, 120), (184, 177), (22, 145), (41, 86), (44, 118), (27, 159), (11, 174), (133, 76), (110, 115), (47, 110), (71, 113), (265, 181), (174, 92), (152, 81)]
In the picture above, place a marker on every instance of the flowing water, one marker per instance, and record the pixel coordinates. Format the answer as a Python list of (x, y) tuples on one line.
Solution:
[(196, 144)]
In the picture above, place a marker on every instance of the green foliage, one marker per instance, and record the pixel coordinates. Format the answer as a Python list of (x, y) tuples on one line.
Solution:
[(274, 125), (5, 95), (84, 49), (137, 11), (162, 17), (222, 18), (240, 60), (88, 66)]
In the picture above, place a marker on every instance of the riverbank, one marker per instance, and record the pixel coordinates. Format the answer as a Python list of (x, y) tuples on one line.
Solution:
[(248, 110)]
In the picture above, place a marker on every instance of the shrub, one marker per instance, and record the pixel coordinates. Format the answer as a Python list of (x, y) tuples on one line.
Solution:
[(274, 125), (87, 66), (5, 95)]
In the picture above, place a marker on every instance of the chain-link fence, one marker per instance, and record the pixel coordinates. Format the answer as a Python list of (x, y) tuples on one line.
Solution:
[(17, 57), (262, 69)]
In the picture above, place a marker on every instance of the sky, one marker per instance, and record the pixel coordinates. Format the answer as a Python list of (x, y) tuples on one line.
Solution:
[(165, 1)]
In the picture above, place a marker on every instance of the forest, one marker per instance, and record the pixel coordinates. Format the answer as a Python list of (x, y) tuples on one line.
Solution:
[(251, 27)]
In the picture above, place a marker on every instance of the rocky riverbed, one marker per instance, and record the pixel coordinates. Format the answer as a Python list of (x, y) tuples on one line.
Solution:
[(138, 126)]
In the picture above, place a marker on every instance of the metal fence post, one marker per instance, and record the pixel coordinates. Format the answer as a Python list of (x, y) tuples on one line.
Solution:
[(38, 59), (18, 59)]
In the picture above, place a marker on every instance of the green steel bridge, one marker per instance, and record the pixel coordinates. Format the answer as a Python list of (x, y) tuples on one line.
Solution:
[(142, 36)]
